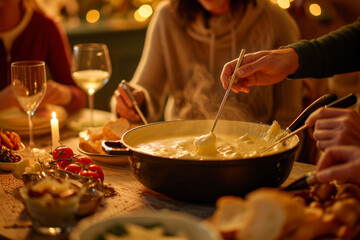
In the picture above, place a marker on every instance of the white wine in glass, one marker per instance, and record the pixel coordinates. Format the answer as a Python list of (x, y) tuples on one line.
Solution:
[(28, 81), (91, 70)]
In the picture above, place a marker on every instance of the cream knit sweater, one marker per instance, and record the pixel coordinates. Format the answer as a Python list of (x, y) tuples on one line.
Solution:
[(182, 64)]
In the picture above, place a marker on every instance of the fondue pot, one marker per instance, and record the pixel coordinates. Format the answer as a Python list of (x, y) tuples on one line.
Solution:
[(204, 180)]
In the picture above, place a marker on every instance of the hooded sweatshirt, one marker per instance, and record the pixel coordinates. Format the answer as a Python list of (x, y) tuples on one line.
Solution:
[(181, 65)]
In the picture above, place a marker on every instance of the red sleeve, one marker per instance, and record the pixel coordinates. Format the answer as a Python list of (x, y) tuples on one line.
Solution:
[(59, 63)]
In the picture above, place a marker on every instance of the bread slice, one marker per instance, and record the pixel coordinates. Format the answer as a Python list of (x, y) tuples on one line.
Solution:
[(274, 214), (113, 130), (230, 213), (95, 133), (87, 145)]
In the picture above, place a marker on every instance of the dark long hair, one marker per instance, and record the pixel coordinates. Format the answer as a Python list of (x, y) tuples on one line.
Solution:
[(188, 9)]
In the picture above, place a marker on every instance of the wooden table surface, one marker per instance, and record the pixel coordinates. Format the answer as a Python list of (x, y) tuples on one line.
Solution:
[(131, 196)]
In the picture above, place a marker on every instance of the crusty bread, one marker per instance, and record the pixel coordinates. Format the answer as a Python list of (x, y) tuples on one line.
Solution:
[(230, 214), (95, 133), (87, 145), (274, 214), (264, 214), (113, 130), (315, 224)]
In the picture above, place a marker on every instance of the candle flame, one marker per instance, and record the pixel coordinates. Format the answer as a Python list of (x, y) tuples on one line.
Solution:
[(53, 115)]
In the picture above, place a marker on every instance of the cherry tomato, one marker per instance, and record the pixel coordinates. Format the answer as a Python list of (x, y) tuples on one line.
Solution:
[(63, 163), (62, 152), (62, 155), (84, 160), (89, 174), (98, 170), (74, 168)]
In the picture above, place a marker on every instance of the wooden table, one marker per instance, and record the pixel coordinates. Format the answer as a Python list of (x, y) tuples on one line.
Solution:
[(131, 196)]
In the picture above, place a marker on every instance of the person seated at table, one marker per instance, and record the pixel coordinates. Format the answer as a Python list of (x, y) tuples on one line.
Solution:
[(186, 46), (26, 33), (337, 131), (341, 163), (335, 126), (334, 53)]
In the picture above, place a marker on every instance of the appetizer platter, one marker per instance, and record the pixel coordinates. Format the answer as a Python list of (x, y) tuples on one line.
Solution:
[(324, 211), (60, 187), (10, 146)]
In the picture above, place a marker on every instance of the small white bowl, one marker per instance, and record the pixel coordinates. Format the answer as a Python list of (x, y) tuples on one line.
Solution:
[(22, 148), (8, 166), (172, 222)]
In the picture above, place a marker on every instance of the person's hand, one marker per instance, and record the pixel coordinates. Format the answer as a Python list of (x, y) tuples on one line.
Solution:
[(124, 105), (261, 68), (56, 94), (340, 163), (335, 126)]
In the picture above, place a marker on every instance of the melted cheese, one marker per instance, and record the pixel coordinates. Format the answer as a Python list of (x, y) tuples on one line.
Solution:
[(208, 147), (227, 147)]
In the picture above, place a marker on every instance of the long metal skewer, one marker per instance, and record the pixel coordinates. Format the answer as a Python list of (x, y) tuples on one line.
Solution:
[(137, 108), (241, 56)]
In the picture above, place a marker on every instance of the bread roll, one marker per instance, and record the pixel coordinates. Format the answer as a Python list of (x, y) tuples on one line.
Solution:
[(95, 133), (231, 213), (87, 145), (113, 130), (273, 214)]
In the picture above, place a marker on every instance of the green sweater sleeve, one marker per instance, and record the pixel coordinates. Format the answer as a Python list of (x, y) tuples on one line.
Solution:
[(334, 53)]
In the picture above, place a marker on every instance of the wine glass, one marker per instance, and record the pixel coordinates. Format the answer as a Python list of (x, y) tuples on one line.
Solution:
[(91, 70), (28, 81)]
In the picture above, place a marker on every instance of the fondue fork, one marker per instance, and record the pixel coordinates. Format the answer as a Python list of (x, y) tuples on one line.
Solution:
[(302, 183), (136, 106), (344, 102), (232, 80)]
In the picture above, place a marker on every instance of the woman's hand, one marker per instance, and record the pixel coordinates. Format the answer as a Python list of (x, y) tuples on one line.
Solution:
[(56, 94), (340, 163), (124, 105), (261, 68), (335, 126)]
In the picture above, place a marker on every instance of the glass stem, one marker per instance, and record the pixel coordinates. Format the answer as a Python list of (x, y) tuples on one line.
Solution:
[(31, 138), (91, 106)]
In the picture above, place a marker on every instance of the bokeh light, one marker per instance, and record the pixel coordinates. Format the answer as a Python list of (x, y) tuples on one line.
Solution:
[(144, 12), (92, 16), (315, 9), (284, 3)]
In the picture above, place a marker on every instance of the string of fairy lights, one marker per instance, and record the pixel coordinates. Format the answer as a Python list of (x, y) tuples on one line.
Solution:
[(313, 8), (143, 9)]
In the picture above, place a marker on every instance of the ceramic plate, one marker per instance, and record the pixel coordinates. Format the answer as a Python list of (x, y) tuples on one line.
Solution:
[(105, 158), (78, 121), (16, 120), (172, 222)]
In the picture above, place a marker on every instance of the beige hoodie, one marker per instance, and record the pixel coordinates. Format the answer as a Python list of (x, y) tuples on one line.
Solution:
[(182, 64)]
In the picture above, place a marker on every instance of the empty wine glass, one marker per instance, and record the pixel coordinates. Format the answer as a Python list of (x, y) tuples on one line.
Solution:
[(28, 81), (91, 70)]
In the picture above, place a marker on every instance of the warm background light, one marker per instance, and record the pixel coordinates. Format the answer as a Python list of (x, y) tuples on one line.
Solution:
[(315, 9), (143, 13), (92, 16), (284, 3)]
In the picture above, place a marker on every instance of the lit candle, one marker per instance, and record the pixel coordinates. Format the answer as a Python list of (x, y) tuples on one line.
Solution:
[(55, 135)]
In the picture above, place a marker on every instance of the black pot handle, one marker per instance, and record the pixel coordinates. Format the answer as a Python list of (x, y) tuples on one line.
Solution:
[(320, 102), (115, 147)]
